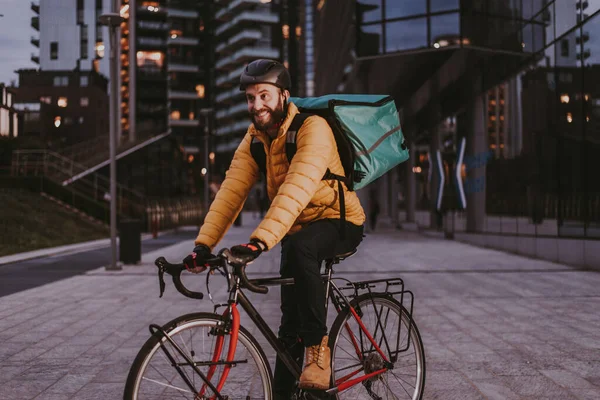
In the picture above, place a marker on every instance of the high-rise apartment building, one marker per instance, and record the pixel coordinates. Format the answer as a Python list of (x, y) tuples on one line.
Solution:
[(165, 68), (69, 36), (247, 30)]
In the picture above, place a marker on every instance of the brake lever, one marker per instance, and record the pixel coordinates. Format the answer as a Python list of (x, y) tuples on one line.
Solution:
[(161, 279)]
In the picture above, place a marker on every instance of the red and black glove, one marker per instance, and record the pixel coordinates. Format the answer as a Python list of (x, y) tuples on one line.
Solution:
[(196, 261), (249, 251)]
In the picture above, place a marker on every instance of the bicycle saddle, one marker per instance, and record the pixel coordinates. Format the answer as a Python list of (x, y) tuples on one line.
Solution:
[(343, 256)]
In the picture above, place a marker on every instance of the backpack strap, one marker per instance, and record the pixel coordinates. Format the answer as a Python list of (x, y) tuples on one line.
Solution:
[(257, 149), (292, 132)]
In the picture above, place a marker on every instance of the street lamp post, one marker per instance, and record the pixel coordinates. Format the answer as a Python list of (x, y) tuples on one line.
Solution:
[(206, 112), (113, 21)]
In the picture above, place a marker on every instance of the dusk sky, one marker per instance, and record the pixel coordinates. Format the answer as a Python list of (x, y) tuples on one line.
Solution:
[(15, 36)]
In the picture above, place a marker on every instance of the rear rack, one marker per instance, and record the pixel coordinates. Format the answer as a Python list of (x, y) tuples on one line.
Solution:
[(392, 288)]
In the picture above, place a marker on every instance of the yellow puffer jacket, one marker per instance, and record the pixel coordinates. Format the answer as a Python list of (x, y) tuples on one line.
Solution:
[(297, 193)]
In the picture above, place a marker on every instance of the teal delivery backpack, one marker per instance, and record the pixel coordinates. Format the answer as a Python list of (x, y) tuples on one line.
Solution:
[(367, 133)]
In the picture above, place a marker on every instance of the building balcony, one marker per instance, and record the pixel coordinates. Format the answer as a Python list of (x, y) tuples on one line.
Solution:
[(185, 41), (152, 9), (245, 18), (246, 54), (35, 41), (151, 42), (153, 25), (229, 96), (233, 8), (35, 7), (182, 95), (177, 67), (227, 146), (233, 111), (178, 13), (35, 23), (235, 127), (184, 122), (241, 39), (151, 74), (35, 58), (230, 79)]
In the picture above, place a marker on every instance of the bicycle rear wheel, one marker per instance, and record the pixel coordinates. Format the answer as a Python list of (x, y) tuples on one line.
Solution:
[(153, 375), (353, 355)]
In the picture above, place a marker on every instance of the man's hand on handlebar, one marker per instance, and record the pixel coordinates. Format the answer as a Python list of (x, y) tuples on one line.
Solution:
[(196, 261), (249, 251)]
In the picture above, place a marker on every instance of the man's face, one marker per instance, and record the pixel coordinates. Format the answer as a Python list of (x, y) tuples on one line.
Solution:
[(266, 105)]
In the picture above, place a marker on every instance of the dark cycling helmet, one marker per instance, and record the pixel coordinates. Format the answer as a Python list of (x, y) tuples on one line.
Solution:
[(265, 71)]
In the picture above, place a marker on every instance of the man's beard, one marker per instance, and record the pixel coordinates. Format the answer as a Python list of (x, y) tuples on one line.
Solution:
[(274, 117)]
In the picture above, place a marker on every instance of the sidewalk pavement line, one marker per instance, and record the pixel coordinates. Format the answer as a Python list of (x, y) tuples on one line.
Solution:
[(68, 249)]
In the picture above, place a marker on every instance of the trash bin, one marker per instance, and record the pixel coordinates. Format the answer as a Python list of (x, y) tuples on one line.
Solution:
[(130, 241)]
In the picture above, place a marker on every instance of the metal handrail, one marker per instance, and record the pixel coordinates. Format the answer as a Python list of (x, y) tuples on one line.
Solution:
[(48, 164)]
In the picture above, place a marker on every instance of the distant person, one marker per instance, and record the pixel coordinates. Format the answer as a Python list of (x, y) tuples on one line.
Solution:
[(304, 216)]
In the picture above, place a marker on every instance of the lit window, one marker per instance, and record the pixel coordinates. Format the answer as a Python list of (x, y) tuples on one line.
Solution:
[(586, 97), (46, 99), (84, 102), (564, 98), (200, 91), (57, 121), (175, 114), (191, 115), (175, 33), (285, 30), (62, 102), (100, 49), (150, 59), (587, 118), (569, 117), (298, 31)]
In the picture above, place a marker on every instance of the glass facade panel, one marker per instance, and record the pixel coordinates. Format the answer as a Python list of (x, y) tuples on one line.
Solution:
[(405, 35), (443, 5), (445, 30), (404, 8)]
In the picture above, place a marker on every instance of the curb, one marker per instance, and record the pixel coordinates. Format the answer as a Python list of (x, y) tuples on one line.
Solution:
[(68, 249)]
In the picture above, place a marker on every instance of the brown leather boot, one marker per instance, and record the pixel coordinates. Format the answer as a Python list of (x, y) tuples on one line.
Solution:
[(317, 367)]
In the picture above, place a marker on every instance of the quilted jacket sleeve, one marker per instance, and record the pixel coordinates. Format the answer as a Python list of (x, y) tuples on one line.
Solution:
[(315, 146), (241, 176)]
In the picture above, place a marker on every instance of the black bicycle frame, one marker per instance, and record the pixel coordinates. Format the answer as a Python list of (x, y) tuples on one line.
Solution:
[(237, 295)]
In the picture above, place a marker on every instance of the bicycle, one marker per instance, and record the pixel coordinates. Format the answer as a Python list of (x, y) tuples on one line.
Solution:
[(369, 348)]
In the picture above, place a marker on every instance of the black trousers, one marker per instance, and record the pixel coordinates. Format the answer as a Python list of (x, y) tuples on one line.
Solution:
[(303, 319)]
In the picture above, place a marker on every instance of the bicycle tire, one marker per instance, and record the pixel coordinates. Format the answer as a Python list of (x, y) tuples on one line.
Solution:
[(415, 337), (179, 324)]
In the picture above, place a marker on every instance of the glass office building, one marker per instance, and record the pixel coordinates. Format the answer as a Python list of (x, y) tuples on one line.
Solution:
[(517, 79)]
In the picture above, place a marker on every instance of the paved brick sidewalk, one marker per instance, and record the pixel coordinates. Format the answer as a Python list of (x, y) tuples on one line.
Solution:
[(494, 325)]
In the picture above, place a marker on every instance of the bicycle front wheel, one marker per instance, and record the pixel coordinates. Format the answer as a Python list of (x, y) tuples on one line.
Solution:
[(160, 372), (395, 333)]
